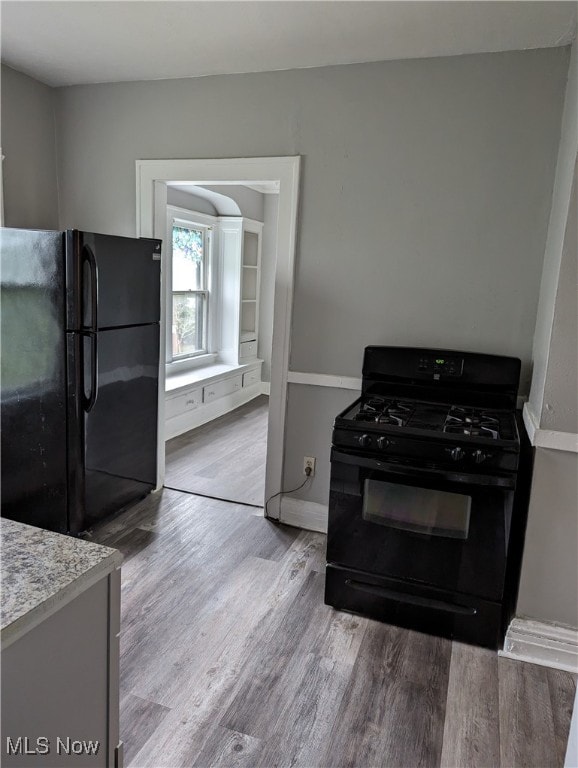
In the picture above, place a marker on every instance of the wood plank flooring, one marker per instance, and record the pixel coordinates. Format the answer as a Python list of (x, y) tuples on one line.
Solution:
[(229, 657), (223, 458)]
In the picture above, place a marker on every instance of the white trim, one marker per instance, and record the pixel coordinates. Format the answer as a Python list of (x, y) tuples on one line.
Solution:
[(548, 438), (159, 225), (190, 364), (197, 221), (571, 760), (342, 382), (324, 380), (530, 421), (151, 197), (1, 188), (178, 383), (190, 215), (549, 645), (266, 388), (304, 514)]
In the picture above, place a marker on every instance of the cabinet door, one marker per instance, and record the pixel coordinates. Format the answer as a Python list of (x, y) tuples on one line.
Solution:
[(55, 684), (222, 388)]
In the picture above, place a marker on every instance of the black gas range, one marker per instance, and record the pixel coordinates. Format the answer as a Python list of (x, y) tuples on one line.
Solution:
[(426, 513)]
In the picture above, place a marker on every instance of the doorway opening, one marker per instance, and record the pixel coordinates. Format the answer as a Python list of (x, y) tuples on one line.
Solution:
[(221, 257), (225, 458), (154, 178)]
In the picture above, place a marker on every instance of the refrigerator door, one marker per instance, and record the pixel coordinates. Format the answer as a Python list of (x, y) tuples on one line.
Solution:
[(33, 378), (112, 281), (115, 410)]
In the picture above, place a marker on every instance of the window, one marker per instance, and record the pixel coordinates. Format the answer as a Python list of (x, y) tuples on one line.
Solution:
[(189, 289)]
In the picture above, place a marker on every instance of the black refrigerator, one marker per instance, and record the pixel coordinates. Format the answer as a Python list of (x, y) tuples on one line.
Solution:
[(79, 375)]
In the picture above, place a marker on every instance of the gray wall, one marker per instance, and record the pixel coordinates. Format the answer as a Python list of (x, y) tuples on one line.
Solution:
[(313, 409), (425, 193), (249, 200), (29, 147), (554, 244), (560, 408), (190, 202), (549, 583), (548, 588)]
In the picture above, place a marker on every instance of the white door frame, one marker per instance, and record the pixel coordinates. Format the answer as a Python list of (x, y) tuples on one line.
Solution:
[(152, 177)]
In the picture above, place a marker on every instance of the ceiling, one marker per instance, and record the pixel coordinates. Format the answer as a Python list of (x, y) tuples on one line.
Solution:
[(68, 43)]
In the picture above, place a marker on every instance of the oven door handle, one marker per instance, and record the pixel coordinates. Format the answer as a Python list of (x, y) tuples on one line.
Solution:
[(419, 473), (402, 597)]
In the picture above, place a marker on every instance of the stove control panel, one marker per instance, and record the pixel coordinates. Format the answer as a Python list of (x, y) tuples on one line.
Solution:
[(458, 453), (441, 366), (380, 446), (366, 441)]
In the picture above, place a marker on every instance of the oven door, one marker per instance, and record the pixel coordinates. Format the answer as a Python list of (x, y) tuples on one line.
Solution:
[(439, 528)]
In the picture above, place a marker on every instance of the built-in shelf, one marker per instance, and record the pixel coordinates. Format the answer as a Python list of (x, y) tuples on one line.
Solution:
[(241, 264)]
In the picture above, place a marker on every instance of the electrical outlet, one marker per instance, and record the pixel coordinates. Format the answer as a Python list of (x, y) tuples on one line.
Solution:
[(309, 461)]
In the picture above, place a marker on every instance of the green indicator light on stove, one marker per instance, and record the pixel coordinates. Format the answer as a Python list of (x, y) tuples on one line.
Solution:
[(439, 361)]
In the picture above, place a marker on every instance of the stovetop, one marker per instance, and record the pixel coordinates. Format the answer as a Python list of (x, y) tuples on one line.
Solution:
[(461, 422), (434, 407), (428, 433)]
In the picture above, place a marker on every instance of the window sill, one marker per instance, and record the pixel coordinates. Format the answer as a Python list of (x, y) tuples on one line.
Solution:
[(204, 374), (190, 364)]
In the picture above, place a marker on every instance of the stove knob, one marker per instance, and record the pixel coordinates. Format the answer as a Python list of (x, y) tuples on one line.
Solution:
[(364, 440), (382, 443), (478, 456), (457, 453)]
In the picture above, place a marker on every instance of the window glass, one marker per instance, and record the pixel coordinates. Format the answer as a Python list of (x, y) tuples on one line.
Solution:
[(188, 259), (421, 510), (188, 322), (189, 292)]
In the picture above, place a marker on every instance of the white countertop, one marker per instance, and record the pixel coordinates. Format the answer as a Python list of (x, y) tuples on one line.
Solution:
[(41, 571)]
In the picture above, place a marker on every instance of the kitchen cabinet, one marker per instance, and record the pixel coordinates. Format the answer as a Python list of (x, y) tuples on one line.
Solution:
[(60, 650)]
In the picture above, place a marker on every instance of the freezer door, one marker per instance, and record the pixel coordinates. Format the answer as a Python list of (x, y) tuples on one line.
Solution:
[(111, 281), (33, 408), (119, 421)]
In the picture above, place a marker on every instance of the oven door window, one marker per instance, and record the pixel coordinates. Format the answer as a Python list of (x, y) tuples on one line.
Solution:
[(422, 527), (419, 510)]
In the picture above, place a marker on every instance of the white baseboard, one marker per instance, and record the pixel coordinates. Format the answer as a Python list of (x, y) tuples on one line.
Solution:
[(304, 514), (550, 645), (206, 412), (266, 388)]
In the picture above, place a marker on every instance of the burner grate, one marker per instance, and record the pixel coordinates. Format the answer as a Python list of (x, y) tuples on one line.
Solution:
[(388, 412), (466, 422), (472, 422)]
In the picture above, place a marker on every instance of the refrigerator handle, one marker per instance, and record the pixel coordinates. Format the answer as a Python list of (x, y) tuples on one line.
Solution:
[(88, 402), (89, 258)]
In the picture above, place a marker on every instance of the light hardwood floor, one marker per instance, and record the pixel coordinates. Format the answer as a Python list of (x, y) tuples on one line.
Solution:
[(229, 657), (224, 458)]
